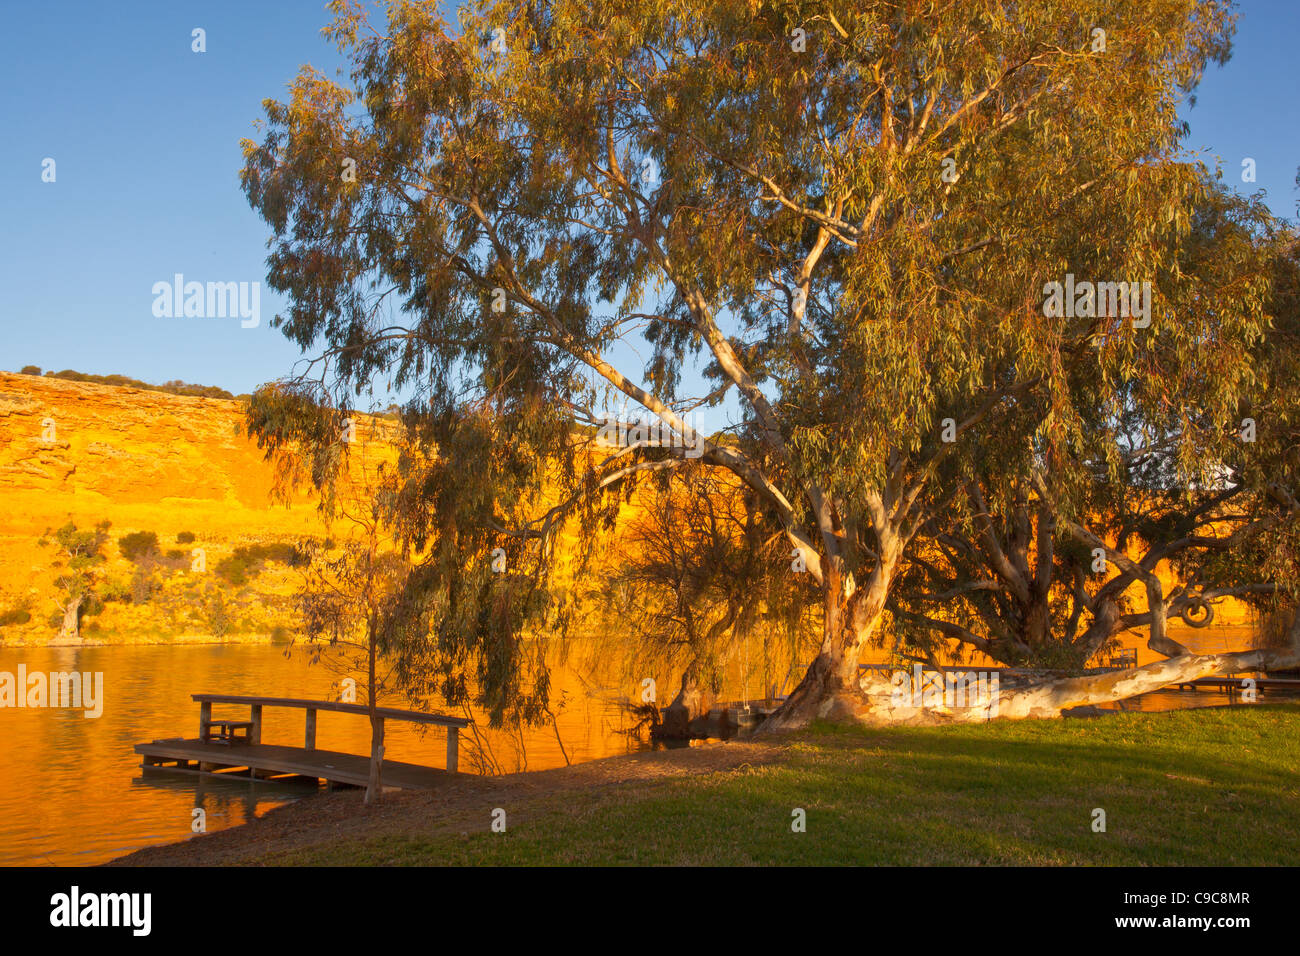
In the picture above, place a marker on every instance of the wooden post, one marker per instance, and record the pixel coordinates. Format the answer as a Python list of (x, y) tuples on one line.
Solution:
[(205, 719), (310, 741), (453, 748), (255, 732)]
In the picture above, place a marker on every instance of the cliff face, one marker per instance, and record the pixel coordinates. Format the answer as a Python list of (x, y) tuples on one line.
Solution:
[(170, 464), (145, 461), (76, 448)]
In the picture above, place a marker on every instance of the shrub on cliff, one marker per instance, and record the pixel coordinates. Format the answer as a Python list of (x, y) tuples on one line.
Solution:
[(174, 387), (138, 545), (115, 589), (280, 551), (217, 612), (247, 561), (143, 585), (235, 570), (185, 537)]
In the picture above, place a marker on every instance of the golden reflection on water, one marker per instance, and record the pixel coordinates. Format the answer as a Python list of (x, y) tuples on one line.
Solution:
[(72, 791)]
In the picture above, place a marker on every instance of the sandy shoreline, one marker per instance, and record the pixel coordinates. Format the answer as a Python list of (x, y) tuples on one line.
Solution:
[(189, 640)]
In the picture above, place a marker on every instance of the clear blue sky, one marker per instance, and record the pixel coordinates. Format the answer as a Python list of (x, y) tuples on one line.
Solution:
[(145, 134)]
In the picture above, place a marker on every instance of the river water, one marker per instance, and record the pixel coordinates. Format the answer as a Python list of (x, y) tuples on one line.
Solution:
[(72, 791)]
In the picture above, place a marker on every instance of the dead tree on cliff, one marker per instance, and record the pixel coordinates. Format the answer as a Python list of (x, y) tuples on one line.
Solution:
[(842, 218), (80, 557)]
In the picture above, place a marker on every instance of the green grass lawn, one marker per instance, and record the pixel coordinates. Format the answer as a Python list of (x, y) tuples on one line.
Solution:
[(1213, 786)]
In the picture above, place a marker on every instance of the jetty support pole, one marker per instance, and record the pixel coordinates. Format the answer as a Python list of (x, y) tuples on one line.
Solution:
[(310, 741), (453, 748)]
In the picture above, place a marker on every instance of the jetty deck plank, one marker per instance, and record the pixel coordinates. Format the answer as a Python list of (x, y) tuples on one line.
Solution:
[(322, 764)]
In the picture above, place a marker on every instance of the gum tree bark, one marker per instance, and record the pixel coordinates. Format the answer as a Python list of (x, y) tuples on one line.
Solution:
[(1050, 698), (831, 689), (375, 784), (691, 703), (71, 630)]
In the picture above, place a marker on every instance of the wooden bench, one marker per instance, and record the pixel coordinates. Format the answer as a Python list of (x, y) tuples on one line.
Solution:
[(227, 731), (1126, 658)]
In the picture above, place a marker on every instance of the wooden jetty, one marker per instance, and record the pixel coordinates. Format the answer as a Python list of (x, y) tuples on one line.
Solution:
[(229, 747), (1234, 683)]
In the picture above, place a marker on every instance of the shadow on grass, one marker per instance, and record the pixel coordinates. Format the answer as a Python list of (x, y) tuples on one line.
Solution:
[(1178, 788)]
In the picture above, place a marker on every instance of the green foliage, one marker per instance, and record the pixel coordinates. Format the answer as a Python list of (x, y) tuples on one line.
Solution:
[(247, 561), (1157, 472), (30, 370), (83, 548), (175, 387), (15, 615), (138, 545), (631, 199), (185, 537), (115, 589), (81, 555)]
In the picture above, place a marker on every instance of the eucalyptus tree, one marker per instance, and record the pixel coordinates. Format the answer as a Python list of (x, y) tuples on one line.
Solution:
[(841, 216), (1189, 465)]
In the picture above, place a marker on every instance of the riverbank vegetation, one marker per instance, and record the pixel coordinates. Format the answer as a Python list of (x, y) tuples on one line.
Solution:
[(101, 587)]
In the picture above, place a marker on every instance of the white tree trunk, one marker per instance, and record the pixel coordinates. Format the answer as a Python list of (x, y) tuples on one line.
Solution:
[(70, 633), (878, 700), (882, 704)]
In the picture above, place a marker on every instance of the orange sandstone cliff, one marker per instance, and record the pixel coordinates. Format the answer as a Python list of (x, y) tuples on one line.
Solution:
[(144, 461), (175, 466)]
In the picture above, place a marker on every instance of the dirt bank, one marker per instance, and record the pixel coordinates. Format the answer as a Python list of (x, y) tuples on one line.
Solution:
[(462, 807)]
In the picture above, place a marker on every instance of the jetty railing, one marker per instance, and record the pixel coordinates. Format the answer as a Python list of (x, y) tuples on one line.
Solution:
[(254, 723)]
